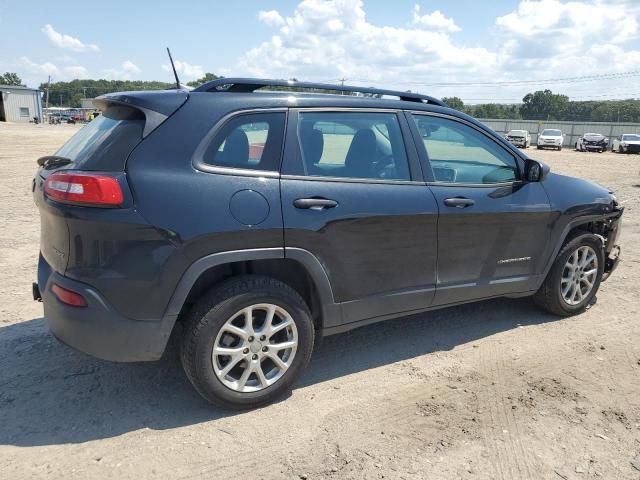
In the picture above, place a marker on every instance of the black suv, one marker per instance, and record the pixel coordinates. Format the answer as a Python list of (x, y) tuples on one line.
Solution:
[(260, 221)]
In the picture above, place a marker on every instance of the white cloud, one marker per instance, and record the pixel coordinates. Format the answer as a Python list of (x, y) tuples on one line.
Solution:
[(62, 40), (538, 39), (129, 66), (331, 39), (555, 38), (435, 20), (46, 68), (186, 70), (76, 71), (127, 71), (271, 18)]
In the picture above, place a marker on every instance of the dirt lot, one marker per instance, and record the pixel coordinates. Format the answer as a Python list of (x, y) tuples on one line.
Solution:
[(490, 390)]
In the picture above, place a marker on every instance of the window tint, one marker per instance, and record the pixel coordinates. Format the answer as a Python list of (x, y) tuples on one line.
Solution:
[(352, 145), (460, 154), (252, 141), (106, 142)]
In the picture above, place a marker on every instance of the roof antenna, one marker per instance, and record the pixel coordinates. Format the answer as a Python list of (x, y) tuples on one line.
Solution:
[(175, 74)]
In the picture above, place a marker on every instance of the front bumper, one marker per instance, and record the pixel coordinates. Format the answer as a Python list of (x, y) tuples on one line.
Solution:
[(98, 329), (611, 262)]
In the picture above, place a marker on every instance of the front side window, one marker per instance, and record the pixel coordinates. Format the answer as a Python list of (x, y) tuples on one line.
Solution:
[(250, 141), (461, 154), (365, 145)]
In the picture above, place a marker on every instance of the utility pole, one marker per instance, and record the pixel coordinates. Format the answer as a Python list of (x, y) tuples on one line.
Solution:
[(48, 86), (84, 92), (342, 84)]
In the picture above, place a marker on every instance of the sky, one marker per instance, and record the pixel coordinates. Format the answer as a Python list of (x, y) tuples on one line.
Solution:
[(481, 51)]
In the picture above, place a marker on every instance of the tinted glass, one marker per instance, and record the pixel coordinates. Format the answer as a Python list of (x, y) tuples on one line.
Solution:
[(461, 154), (105, 143), (352, 145), (252, 141)]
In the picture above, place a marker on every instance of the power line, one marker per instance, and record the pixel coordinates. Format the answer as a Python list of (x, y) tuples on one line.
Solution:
[(583, 78)]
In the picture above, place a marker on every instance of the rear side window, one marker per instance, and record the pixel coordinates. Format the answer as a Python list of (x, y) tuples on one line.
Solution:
[(352, 145), (250, 141), (106, 142)]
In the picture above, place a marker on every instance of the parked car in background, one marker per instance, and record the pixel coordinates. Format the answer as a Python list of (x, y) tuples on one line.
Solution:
[(592, 142), (550, 138), (626, 143), (520, 138), (262, 222)]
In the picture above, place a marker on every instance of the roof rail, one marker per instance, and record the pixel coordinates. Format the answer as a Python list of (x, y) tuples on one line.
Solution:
[(245, 85)]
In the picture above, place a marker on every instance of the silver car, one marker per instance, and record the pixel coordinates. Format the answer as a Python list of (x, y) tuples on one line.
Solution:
[(519, 138), (626, 143)]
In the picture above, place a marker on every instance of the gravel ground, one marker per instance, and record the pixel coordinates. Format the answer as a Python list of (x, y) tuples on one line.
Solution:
[(495, 389)]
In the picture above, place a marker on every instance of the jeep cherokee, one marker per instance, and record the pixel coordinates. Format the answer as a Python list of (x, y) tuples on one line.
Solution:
[(261, 221)]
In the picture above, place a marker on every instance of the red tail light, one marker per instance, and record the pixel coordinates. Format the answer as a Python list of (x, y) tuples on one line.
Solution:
[(84, 188), (67, 296)]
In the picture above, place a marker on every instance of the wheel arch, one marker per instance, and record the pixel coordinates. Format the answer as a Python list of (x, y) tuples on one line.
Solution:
[(298, 268), (592, 224)]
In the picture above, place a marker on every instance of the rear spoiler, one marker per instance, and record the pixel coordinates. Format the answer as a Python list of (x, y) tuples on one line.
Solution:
[(156, 106)]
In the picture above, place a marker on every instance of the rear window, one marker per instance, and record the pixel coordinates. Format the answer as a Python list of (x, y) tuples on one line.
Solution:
[(105, 142)]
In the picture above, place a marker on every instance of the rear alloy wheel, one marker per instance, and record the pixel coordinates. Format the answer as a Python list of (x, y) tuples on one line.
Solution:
[(246, 359), (574, 277), (247, 341)]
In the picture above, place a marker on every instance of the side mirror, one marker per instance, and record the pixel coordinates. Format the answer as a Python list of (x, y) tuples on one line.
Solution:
[(535, 171)]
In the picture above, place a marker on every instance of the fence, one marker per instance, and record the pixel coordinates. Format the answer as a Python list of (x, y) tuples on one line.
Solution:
[(571, 130)]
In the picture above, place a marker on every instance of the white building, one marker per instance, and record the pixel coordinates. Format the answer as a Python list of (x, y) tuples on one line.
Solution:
[(19, 104)]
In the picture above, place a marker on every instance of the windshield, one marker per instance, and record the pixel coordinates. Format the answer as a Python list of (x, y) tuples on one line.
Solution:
[(517, 133), (631, 138), (551, 133)]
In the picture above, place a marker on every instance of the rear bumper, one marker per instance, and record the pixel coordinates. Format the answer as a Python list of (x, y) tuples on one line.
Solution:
[(98, 329)]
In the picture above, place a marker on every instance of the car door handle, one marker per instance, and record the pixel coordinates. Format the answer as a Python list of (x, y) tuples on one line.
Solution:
[(315, 203), (459, 202)]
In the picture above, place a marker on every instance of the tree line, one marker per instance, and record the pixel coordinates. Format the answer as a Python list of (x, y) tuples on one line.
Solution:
[(539, 105), (546, 105)]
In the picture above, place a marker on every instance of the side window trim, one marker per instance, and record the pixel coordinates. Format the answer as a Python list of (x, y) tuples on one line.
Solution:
[(427, 163), (197, 160), (293, 164)]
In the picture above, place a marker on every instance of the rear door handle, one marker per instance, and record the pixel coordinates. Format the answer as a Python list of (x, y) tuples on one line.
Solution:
[(459, 202), (314, 203)]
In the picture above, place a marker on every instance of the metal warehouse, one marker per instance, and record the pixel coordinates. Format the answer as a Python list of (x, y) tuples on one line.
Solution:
[(19, 104)]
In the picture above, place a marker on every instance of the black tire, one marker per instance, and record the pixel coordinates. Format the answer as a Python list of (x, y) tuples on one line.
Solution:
[(208, 316), (620, 150), (538, 147), (559, 148), (549, 296)]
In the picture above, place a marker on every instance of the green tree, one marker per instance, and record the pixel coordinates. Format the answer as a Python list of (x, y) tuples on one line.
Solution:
[(68, 94), (11, 78), (454, 102), (544, 105), (207, 78)]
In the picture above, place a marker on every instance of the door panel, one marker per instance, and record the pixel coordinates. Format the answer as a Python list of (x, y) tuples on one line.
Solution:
[(353, 197), (493, 227), (493, 247), (377, 244)]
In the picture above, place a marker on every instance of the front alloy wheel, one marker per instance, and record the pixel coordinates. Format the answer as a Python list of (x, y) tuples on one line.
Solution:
[(579, 275), (574, 277)]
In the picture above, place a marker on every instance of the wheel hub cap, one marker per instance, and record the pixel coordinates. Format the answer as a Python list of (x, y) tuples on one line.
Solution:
[(255, 347)]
